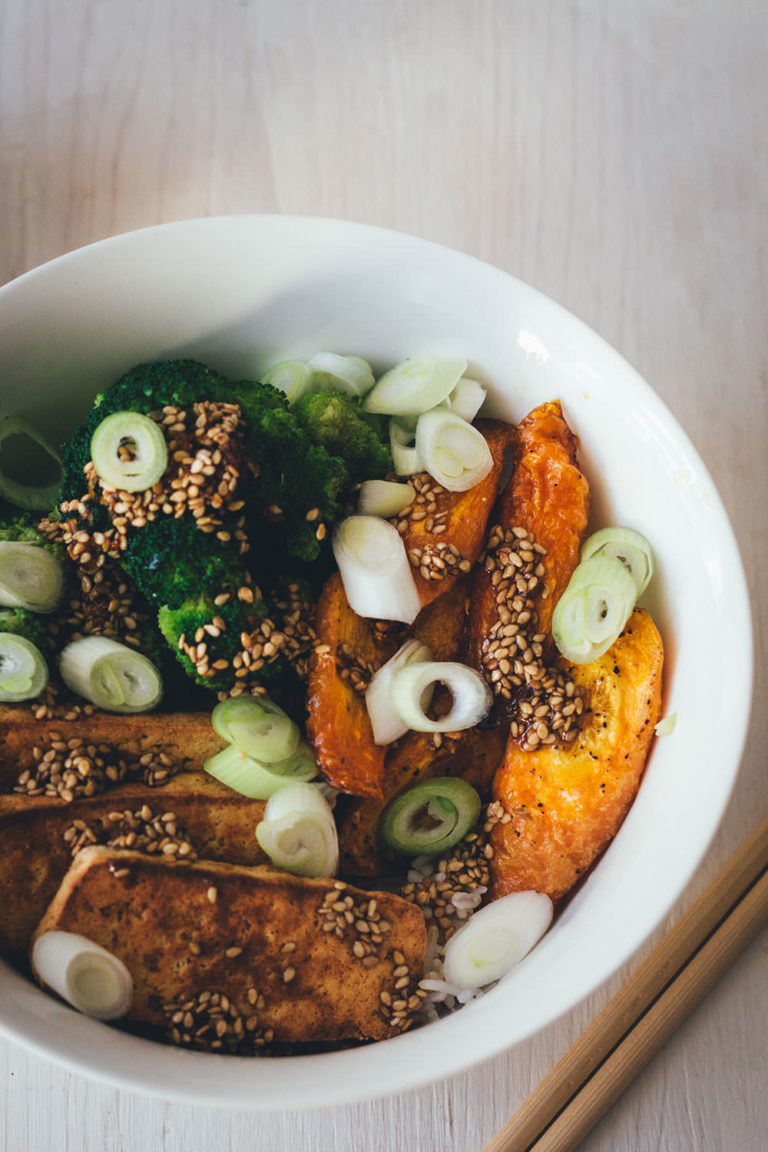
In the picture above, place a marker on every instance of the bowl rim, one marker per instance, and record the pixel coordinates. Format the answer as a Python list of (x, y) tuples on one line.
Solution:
[(189, 1087)]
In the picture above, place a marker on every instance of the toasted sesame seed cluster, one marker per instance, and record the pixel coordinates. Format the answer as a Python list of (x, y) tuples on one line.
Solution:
[(436, 561), (401, 1005), (423, 507), (544, 704), (204, 467), (462, 871), (210, 1021), (49, 706), (104, 604), (361, 922), (70, 769), (140, 831), (352, 668)]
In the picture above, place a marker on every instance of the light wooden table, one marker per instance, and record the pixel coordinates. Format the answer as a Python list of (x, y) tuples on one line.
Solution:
[(611, 153)]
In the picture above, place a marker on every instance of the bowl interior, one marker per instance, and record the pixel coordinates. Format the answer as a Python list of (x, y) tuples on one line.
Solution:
[(240, 293)]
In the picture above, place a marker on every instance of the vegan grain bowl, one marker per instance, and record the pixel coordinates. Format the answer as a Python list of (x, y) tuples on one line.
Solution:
[(325, 691)]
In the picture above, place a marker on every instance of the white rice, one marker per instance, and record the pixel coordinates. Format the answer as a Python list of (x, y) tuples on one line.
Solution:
[(443, 997)]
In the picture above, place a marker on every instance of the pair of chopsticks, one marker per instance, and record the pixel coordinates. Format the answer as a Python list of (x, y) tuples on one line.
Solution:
[(646, 1010)]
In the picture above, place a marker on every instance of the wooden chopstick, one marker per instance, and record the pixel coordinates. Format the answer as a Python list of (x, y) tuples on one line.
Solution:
[(646, 1010)]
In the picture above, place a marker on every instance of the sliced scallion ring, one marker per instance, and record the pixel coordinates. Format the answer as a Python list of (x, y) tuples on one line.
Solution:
[(87, 976), (415, 385), (245, 775), (466, 399), (452, 451), (23, 670), (129, 451), (258, 727), (110, 675), (350, 374), (591, 613), (624, 544), (430, 817), (410, 690), (384, 498), (402, 441), (374, 567), (298, 832), (26, 455), (386, 722), (299, 767), (293, 377), (496, 938), (30, 577)]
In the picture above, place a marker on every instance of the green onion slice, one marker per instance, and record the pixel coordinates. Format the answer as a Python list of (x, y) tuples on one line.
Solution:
[(23, 670), (385, 720), (87, 976), (410, 690), (293, 377), (257, 726), (452, 451), (430, 817), (466, 399), (30, 577), (415, 385), (26, 456), (402, 441), (384, 498), (129, 451), (374, 567), (495, 938), (110, 675), (350, 374), (298, 831), (594, 608), (245, 775), (626, 545)]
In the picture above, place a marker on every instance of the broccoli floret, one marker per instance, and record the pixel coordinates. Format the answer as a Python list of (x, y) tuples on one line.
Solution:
[(24, 527), (336, 421), (168, 560), (21, 622), (197, 623), (289, 479), (146, 388)]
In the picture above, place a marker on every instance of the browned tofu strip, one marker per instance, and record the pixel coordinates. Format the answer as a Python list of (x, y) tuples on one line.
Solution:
[(216, 822), (255, 934), (183, 783), (187, 737)]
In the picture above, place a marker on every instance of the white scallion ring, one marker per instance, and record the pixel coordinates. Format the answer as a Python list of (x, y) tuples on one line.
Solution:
[(496, 938), (374, 567), (87, 976), (411, 691), (452, 451)]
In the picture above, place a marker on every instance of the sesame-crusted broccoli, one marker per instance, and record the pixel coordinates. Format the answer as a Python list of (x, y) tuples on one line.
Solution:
[(21, 622), (170, 560), (207, 637), (24, 528), (251, 491), (336, 420)]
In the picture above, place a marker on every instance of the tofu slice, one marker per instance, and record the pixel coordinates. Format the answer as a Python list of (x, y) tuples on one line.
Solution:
[(217, 822), (278, 947), (188, 737)]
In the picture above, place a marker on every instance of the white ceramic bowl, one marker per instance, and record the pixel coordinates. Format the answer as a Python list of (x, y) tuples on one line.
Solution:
[(242, 292)]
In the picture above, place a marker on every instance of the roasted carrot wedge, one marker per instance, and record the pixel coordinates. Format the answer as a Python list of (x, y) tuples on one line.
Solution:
[(348, 650), (532, 550), (559, 806), (443, 531)]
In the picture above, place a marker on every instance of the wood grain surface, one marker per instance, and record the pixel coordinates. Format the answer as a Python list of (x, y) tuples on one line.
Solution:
[(612, 154)]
